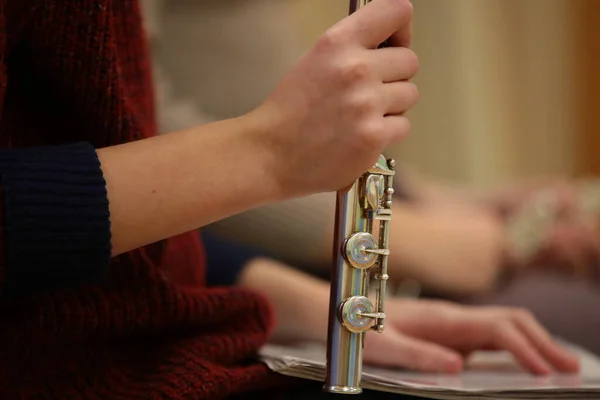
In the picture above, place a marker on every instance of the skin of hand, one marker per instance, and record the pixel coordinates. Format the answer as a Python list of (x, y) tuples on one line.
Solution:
[(420, 335), (435, 336), (572, 245), (468, 243), (344, 101), (323, 125)]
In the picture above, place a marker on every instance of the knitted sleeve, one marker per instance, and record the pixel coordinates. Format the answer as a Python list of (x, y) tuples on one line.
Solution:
[(55, 226)]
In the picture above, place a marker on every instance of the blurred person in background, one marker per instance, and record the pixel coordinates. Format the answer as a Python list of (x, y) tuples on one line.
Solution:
[(453, 242)]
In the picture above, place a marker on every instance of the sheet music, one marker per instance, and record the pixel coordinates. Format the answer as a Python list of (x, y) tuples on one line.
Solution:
[(489, 375)]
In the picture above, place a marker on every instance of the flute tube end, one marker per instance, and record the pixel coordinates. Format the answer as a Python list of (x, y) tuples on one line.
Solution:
[(342, 389)]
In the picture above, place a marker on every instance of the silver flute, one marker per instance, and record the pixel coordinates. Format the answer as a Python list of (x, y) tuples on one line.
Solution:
[(358, 256)]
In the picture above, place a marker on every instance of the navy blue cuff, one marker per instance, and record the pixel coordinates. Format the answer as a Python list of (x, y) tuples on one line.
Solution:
[(56, 218), (225, 260)]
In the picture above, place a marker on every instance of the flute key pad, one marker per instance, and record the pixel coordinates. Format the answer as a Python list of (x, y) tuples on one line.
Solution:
[(356, 250), (355, 314)]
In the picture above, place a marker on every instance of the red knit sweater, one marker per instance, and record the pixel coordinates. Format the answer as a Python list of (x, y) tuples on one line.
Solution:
[(78, 70)]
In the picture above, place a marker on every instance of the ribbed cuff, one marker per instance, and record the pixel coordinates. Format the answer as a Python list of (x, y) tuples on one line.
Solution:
[(57, 225)]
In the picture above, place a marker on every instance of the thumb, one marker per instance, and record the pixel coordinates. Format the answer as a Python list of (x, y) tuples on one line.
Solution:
[(372, 22), (393, 349)]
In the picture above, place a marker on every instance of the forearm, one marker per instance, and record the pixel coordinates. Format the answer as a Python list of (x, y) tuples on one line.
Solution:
[(170, 184), (432, 251), (440, 255), (299, 300)]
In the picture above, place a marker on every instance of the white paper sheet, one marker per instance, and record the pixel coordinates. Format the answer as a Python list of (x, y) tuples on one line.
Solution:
[(489, 375)]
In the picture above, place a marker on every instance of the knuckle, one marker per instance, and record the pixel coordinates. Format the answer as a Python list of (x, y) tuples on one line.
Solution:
[(402, 10), (355, 71), (363, 103), (409, 9), (329, 40), (402, 7)]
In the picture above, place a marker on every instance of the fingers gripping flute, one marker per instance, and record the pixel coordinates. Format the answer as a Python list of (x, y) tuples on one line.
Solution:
[(358, 255)]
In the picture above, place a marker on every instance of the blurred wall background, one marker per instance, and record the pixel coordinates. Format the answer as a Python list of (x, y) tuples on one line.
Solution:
[(587, 45)]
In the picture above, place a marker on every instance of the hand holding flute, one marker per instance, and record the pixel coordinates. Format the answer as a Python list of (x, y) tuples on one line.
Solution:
[(334, 113), (344, 101)]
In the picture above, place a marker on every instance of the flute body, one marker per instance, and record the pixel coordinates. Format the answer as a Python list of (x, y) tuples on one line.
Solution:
[(358, 256)]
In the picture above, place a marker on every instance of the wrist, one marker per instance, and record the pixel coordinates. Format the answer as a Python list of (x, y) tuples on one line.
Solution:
[(259, 138), (248, 150), (173, 183)]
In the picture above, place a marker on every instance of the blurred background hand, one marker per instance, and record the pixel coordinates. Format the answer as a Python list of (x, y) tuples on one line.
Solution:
[(435, 336), (548, 222)]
